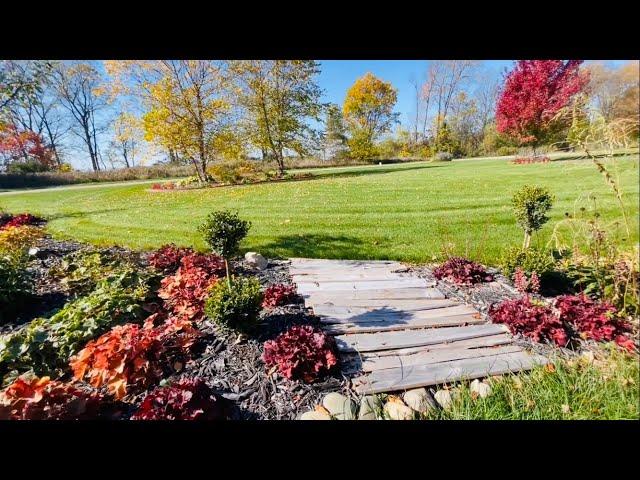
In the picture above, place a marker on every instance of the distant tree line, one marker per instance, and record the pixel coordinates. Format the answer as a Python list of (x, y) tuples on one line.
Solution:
[(198, 112)]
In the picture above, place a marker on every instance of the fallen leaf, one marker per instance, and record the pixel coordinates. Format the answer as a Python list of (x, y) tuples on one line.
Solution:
[(474, 395), (550, 368), (321, 409), (272, 370), (565, 408)]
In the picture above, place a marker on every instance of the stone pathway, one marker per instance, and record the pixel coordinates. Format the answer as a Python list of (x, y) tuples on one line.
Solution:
[(396, 331)]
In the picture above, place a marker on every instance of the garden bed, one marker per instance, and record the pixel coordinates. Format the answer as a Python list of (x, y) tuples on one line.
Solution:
[(230, 363)]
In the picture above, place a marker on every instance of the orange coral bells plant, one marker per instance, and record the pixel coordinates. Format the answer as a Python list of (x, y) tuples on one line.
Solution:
[(130, 357), (46, 399)]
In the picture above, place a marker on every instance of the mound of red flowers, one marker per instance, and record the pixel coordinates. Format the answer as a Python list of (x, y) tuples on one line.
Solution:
[(8, 221)]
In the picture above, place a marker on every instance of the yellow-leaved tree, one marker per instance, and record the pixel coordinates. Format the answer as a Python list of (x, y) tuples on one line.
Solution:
[(278, 97), (186, 106), (368, 113)]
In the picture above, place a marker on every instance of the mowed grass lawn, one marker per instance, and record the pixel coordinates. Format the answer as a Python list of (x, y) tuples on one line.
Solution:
[(403, 212)]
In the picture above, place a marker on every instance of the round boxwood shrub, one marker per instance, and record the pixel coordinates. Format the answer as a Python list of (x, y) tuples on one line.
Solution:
[(443, 157), (235, 305), (529, 260)]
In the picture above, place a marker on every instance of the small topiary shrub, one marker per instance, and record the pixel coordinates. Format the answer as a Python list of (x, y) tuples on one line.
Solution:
[(235, 306), (131, 358), (443, 157), (301, 353), (168, 257), (278, 295), (223, 231), (597, 321), (184, 400), (462, 271), (45, 399), (530, 206), (534, 320)]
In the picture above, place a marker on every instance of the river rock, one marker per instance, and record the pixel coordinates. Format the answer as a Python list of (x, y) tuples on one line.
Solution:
[(418, 399), (369, 408), (339, 406), (482, 389), (314, 415), (255, 260), (395, 409), (443, 397)]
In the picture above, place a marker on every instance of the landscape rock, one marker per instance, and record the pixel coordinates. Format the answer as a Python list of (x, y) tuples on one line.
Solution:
[(315, 415), (340, 407), (419, 400), (34, 252), (482, 389), (395, 409), (443, 397), (369, 406), (255, 260)]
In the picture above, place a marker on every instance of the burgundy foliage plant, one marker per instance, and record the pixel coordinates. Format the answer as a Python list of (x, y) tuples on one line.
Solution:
[(301, 353), (278, 295), (462, 271)]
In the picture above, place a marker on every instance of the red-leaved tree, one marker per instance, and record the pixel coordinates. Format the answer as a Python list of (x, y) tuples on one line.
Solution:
[(532, 94), (23, 145)]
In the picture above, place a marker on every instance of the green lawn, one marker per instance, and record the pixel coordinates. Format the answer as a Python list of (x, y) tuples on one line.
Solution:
[(403, 211)]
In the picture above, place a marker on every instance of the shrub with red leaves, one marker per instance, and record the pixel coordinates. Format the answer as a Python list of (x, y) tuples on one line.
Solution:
[(462, 271), (524, 284), (536, 321), (19, 220), (45, 399), (278, 295), (167, 258), (185, 292), (301, 353), (184, 400), (594, 320), (130, 357)]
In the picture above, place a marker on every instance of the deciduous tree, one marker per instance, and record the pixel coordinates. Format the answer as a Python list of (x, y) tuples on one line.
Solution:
[(278, 97), (532, 95), (368, 112)]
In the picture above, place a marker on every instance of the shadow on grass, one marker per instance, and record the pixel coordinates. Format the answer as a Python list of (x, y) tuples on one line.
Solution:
[(58, 216), (314, 246)]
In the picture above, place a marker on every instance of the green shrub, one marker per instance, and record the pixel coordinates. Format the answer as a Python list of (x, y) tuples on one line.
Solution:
[(223, 231), (443, 157), (529, 260), (46, 344), (506, 150), (80, 272), (237, 172), (15, 283), (235, 306), (530, 205)]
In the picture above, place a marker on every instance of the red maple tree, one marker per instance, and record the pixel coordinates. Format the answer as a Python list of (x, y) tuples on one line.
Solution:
[(533, 93), (24, 145)]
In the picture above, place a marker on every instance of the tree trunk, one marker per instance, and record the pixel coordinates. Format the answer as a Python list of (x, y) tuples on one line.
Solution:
[(527, 240)]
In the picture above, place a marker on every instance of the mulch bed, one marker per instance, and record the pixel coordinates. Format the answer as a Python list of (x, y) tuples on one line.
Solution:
[(229, 363)]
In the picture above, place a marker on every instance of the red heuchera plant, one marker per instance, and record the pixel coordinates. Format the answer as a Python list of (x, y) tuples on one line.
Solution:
[(462, 271), (19, 220), (594, 320), (45, 399), (277, 295), (185, 292), (131, 357), (184, 400), (533, 93), (301, 352), (532, 320), (167, 258)]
